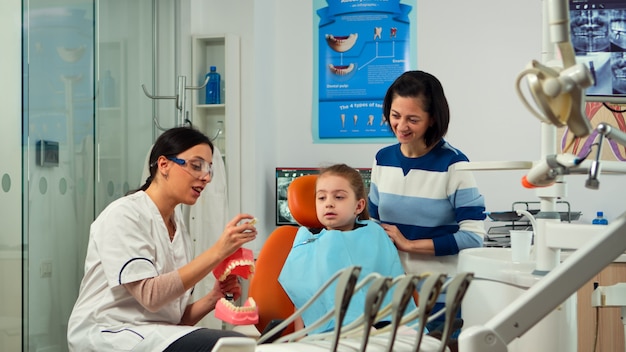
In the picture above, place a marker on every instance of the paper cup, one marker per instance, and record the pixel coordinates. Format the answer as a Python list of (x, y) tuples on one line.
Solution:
[(520, 245)]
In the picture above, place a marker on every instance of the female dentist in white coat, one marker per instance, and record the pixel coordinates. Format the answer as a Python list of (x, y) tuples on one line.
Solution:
[(136, 294)]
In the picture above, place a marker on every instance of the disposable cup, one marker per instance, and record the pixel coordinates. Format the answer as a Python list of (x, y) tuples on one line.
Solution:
[(520, 245)]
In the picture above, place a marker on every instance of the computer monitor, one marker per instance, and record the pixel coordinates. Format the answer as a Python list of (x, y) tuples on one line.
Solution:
[(598, 35), (284, 176)]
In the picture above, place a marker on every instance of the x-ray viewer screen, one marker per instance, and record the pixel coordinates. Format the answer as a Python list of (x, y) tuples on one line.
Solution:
[(598, 35)]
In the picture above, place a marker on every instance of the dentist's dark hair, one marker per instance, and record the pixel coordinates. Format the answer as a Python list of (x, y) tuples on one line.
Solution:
[(172, 142), (428, 89)]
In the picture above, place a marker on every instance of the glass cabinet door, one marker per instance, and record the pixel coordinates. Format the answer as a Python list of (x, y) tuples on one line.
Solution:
[(124, 128)]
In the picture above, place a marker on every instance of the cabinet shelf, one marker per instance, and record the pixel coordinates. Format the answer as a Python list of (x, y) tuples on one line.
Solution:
[(211, 106), (221, 122)]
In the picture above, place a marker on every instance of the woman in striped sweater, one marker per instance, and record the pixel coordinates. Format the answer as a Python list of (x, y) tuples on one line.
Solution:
[(429, 208)]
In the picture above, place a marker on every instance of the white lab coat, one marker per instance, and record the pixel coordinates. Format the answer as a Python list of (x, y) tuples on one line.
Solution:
[(128, 242)]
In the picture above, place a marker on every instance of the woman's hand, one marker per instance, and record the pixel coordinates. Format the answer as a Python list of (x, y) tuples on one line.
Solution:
[(397, 237), (425, 246), (236, 233), (232, 238), (195, 311), (229, 285)]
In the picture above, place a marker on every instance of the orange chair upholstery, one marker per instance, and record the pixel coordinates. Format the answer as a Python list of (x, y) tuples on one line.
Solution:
[(270, 298), (301, 201)]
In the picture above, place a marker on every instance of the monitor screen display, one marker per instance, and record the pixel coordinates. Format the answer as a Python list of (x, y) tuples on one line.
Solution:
[(598, 35), (285, 175)]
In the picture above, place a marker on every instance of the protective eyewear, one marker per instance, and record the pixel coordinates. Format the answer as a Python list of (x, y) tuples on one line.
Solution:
[(196, 167)]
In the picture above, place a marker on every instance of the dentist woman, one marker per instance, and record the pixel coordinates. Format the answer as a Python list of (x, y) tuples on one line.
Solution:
[(136, 294)]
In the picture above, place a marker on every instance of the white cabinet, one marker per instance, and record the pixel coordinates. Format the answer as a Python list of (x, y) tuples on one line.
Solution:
[(221, 122)]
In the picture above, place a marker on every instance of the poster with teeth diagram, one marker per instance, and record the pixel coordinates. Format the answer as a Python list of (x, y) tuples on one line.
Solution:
[(362, 47)]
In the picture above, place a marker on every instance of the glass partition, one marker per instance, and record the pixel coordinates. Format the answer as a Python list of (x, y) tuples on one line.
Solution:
[(87, 128), (58, 163)]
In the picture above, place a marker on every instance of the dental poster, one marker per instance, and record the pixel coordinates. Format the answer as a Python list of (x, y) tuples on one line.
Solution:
[(362, 47)]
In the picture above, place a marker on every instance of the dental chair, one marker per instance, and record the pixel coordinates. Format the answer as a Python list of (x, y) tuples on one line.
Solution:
[(272, 301)]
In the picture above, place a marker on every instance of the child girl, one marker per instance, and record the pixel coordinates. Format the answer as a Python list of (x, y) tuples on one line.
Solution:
[(348, 238)]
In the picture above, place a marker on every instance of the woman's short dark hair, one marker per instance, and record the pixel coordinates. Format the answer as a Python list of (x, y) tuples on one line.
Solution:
[(173, 142), (427, 88)]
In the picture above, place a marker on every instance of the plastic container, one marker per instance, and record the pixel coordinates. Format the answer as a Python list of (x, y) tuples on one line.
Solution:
[(213, 87), (600, 220)]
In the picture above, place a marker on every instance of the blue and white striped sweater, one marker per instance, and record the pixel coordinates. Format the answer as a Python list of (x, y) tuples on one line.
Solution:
[(427, 197)]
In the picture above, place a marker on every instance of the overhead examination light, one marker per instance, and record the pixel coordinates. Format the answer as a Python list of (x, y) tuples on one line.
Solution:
[(559, 93)]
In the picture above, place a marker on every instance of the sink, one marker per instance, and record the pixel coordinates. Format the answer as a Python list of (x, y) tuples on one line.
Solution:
[(495, 264)]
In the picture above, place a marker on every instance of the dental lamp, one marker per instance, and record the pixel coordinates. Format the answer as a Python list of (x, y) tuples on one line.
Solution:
[(546, 172), (559, 94)]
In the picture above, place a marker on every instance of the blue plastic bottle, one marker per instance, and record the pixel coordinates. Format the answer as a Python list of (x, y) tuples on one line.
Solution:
[(600, 220), (213, 87)]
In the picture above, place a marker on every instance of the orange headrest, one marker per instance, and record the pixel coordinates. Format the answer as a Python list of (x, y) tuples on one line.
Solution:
[(301, 201)]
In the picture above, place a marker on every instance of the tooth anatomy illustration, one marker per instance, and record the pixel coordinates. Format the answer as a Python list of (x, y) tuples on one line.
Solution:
[(341, 43), (377, 32), (393, 32), (370, 120)]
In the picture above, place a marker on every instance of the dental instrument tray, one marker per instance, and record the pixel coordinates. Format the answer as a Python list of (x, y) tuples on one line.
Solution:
[(512, 216), (498, 236), (508, 215)]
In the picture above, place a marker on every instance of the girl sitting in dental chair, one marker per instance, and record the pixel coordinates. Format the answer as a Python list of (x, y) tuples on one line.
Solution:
[(348, 238)]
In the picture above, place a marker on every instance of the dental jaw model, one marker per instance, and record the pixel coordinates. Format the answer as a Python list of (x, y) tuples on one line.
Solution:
[(240, 263)]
